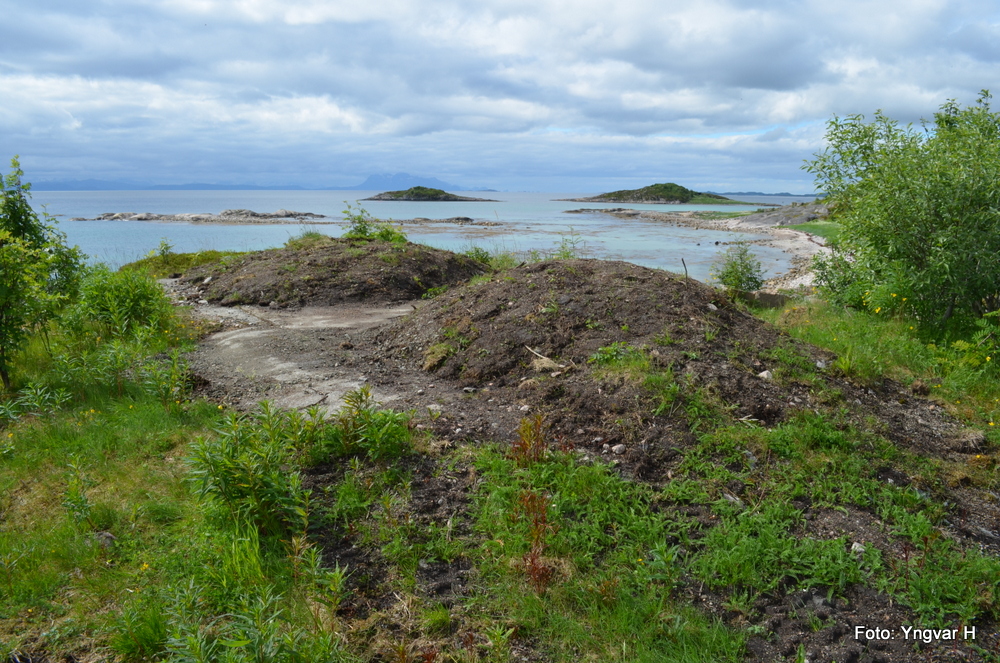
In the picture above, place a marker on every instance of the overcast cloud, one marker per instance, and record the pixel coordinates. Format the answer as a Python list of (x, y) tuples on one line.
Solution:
[(512, 94)]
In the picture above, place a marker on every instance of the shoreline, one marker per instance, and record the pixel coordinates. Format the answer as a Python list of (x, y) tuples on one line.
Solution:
[(801, 246)]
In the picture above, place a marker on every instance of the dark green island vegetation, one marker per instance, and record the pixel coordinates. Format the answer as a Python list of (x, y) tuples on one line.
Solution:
[(614, 463), (666, 193), (422, 193)]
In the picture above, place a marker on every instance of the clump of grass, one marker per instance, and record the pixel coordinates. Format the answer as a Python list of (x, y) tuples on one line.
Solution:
[(161, 265), (617, 355), (307, 239), (960, 372), (497, 260)]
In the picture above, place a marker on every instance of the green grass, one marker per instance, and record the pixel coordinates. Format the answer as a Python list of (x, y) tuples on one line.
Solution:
[(872, 346), (168, 264), (599, 572), (720, 215), (829, 230)]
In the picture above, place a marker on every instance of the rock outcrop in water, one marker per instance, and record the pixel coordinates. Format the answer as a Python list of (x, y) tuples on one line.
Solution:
[(229, 216)]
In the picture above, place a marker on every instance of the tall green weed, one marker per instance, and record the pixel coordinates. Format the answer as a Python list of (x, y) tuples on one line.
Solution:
[(119, 303)]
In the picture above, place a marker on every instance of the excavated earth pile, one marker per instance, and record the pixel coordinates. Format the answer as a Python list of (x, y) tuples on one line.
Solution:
[(536, 329), (326, 271)]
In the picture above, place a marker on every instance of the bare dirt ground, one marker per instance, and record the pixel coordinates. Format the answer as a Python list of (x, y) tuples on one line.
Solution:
[(475, 360)]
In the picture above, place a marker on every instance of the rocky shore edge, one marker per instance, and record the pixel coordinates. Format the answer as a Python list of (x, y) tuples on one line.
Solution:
[(801, 246), (454, 220), (229, 216)]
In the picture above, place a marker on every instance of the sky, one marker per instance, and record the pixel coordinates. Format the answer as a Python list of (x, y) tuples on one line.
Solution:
[(520, 95)]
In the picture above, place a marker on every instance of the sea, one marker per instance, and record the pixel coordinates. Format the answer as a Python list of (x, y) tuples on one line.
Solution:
[(528, 222)]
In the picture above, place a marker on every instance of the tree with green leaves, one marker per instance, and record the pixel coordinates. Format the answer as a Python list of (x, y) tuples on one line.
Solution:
[(920, 213), (38, 271)]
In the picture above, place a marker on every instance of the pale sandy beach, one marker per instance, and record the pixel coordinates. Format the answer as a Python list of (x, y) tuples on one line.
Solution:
[(799, 245)]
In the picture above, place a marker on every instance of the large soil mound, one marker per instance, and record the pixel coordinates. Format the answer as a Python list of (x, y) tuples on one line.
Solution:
[(327, 271), (535, 329)]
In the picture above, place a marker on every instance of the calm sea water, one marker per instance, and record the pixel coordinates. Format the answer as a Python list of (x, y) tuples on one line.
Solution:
[(529, 221)]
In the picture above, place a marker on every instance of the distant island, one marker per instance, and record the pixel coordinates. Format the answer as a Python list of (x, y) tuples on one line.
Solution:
[(423, 193), (667, 194)]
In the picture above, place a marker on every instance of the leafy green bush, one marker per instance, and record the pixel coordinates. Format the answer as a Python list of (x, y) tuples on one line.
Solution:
[(362, 429), (918, 210), (737, 268), (362, 225), (479, 254), (245, 468), (38, 272), (121, 303)]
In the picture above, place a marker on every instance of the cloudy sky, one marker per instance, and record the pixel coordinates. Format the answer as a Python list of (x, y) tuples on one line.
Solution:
[(544, 95)]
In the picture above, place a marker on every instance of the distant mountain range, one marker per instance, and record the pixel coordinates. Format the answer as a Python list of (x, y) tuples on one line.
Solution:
[(381, 182)]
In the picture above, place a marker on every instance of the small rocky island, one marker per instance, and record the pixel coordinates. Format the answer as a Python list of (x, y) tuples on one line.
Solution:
[(423, 193), (667, 193), (229, 216)]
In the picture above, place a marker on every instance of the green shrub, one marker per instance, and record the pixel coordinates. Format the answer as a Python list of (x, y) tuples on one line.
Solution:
[(245, 467), (479, 254), (918, 210), (737, 268), (362, 429), (38, 272), (362, 225), (120, 303)]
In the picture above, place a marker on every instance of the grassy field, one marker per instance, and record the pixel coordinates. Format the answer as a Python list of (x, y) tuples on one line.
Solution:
[(827, 229)]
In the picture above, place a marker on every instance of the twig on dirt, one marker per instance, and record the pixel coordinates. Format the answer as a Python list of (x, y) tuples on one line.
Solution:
[(537, 354)]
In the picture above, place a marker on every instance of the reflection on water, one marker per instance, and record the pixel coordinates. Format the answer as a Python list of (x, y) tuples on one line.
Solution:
[(529, 222)]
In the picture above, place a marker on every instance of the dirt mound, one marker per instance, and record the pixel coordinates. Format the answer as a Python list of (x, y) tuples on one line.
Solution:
[(537, 329), (566, 310), (327, 271)]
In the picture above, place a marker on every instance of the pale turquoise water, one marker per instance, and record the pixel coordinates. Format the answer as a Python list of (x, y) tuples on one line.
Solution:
[(531, 221)]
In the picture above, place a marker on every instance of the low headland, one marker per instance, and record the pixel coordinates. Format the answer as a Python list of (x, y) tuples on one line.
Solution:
[(225, 217), (666, 193)]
